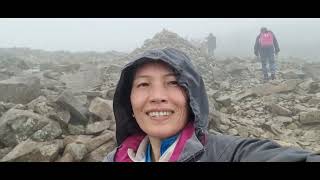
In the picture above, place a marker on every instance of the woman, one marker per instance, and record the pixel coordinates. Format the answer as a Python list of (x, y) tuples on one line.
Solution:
[(161, 111)]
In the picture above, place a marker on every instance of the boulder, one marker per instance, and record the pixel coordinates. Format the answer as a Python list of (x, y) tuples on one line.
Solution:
[(52, 75), (18, 125), (97, 127), (312, 70), (68, 68), (76, 129), (78, 112), (5, 151), (267, 88), (101, 108), (48, 132), (292, 74), (305, 85), (314, 87), (62, 116), (76, 150), (279, 110), (83, 139), (31, 151), (236, 68), (40, 105), (310, 117), (100, 153), (110, 93), (225, 100), (95, 142), (20, 90), (314, 101), (53, 85), (282, 119)]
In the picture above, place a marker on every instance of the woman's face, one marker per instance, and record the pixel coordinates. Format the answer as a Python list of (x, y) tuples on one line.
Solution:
[(159, 104)]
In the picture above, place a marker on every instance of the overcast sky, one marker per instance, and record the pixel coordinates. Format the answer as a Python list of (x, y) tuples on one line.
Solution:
[(235, 35)]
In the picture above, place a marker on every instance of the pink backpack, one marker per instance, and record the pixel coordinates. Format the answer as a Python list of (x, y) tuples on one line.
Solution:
[(266, 39)]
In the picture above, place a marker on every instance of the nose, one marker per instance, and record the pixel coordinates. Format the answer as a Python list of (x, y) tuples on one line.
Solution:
[(158, 95)]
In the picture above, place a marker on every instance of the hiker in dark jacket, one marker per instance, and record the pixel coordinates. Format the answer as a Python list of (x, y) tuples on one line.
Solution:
[(211, 44), (266, 46), (161, 112)]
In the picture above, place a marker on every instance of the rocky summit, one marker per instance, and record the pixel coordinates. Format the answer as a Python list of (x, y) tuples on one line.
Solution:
[(57, 106)]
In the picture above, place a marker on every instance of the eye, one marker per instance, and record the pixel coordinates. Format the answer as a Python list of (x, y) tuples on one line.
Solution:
[(143, 84), (173, 83)]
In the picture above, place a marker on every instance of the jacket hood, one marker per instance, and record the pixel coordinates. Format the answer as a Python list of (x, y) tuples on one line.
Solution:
[(187, 77)]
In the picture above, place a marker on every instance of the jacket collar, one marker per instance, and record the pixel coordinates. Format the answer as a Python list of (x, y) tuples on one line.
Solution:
[(186, 149)]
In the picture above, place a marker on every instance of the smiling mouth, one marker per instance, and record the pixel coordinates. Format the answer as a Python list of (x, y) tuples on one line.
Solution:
[(156, 114)]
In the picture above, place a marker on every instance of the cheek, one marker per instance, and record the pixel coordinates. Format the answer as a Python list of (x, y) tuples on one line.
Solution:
[(181, 96), (180, 99), (137, 100)]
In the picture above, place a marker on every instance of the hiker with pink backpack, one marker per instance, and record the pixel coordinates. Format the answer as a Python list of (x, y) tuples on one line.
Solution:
[(266, 47)]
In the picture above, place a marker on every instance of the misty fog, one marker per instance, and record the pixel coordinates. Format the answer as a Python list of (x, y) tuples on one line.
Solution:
[(59, 79), (297, 37)]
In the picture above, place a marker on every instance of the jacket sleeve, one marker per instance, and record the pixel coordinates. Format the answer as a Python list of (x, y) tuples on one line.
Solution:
[(110, 156), (275, 44), (257, 46), (256, 150)]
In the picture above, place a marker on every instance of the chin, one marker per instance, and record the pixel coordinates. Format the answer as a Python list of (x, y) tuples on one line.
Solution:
[(162, 134)]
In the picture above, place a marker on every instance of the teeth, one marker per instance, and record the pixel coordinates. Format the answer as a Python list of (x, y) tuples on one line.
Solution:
[(157, 114)]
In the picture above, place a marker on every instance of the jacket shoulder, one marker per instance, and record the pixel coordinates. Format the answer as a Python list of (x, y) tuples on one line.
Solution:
[(218, 145)]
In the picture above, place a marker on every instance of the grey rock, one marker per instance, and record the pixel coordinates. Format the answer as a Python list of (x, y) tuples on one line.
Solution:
[(292, 126), (279, 110), (101, 108), (82, 139), (68, 68), (92, 93), (76, 150), (292, 74), (267, 89), (110, 93), (314, 87), (82, 99), (66, 158), (314, 101), (225, 100), (76, 129), (5, 151), (243, 131), (31, 151), (20, 89), (310, 117), (61, 116), (233, 132), (40, 105), (18, 125), (283, 119), (99, 140), (48, 132), (67, 101), (312, 70), (97, 127), (52, 75), (100, 153), (305, 85)]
